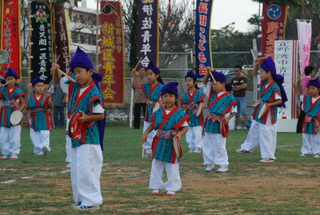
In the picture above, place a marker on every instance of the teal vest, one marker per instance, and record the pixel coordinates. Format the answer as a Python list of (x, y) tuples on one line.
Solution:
[(89, 98)]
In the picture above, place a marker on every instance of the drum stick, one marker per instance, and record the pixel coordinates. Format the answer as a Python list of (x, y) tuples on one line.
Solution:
[(57, 59), (71, 79), (8, 82), (213, 79), (135, 68), (261, 58)]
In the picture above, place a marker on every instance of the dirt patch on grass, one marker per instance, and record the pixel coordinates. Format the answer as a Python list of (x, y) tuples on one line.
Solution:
[(125, 190)]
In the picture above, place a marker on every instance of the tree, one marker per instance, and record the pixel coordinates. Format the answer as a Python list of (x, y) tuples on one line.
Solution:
[(176, 28)]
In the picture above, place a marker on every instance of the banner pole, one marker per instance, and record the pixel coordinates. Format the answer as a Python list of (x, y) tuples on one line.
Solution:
[(97, 39)]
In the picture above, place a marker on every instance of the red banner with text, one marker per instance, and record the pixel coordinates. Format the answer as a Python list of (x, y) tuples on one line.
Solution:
[(272, 26), (112, 53), (10, 34)]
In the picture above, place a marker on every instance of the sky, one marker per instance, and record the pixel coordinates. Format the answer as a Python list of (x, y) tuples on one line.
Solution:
[(225, 12), (238, 11)]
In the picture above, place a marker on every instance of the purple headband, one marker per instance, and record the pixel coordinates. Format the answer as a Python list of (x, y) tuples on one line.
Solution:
[(171, 87), (11, 72), (219, 76), (36, 80), (81, 59), (315, 83)]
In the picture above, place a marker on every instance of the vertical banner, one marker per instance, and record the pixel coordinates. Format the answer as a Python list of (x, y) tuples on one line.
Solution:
[(62, 39), (203, 36), (286, 60), (272, 26), (304, 38), (112, 53), (10, 33), (41, 38), (148, 32)]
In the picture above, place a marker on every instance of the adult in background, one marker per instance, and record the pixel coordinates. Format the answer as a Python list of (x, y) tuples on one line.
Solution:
[(59, 103), (239, 88), (138, 97)]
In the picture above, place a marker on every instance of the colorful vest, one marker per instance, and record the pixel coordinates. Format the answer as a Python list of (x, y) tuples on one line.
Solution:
[(152, 95), (192, 102), (218, 107), (40, 116), (167, 127), (10, 104), (267, 95), (311, 122), (90, 97)]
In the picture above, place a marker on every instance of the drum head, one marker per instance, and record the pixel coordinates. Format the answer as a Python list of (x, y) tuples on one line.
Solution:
[(177, 147), (74, 128), (156, 107), (263, 110), (16, 117), (200, 108), (224, 128)]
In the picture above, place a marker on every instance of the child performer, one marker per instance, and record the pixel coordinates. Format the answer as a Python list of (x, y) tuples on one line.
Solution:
[(85, 97), (192, 98), (13, 99), (40, 121), (167, 121), (311, 122), (220, 103), (263, 131), (152, 91)]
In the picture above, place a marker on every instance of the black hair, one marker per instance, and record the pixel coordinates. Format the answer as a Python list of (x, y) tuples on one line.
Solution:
[(308, 70), (175, 95), (238, 66)]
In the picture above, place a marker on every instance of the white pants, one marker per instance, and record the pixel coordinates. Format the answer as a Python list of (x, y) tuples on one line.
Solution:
[(86, 167), (214, 149), (173, 176), (194, 137), (40, 139), (263, 135), (310, 143), (68, 145), (10, 140), (148, 143)]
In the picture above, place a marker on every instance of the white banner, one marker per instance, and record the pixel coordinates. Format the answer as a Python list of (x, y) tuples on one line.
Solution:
[(286, 64), (304, 38)]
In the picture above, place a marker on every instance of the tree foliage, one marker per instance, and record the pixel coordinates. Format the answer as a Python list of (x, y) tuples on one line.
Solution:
[(176, 27)]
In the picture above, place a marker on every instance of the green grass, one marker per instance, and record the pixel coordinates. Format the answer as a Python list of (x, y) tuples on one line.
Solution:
[(288, 186)]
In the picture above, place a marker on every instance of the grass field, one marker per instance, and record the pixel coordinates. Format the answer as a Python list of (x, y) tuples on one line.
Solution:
[(41, 185)]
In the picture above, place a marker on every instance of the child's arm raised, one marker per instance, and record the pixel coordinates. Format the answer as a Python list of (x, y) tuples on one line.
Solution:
[(135, 82), (256, 67), (206, 77)]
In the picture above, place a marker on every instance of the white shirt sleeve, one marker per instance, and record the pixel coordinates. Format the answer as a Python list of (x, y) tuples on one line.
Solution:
[(184, 124), (234, 109), (277, 96), (63, 84), (206, 89), (97, 109)]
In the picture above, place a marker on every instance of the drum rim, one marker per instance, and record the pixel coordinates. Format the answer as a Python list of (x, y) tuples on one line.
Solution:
[(13, 117)]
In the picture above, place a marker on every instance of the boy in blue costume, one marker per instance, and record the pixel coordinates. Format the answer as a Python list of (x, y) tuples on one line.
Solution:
[(169, 122), (311, 122), (13, 99), (263, 130), (192, 99), (220, 103), (152, 91), (85, 97), (40, 121)]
